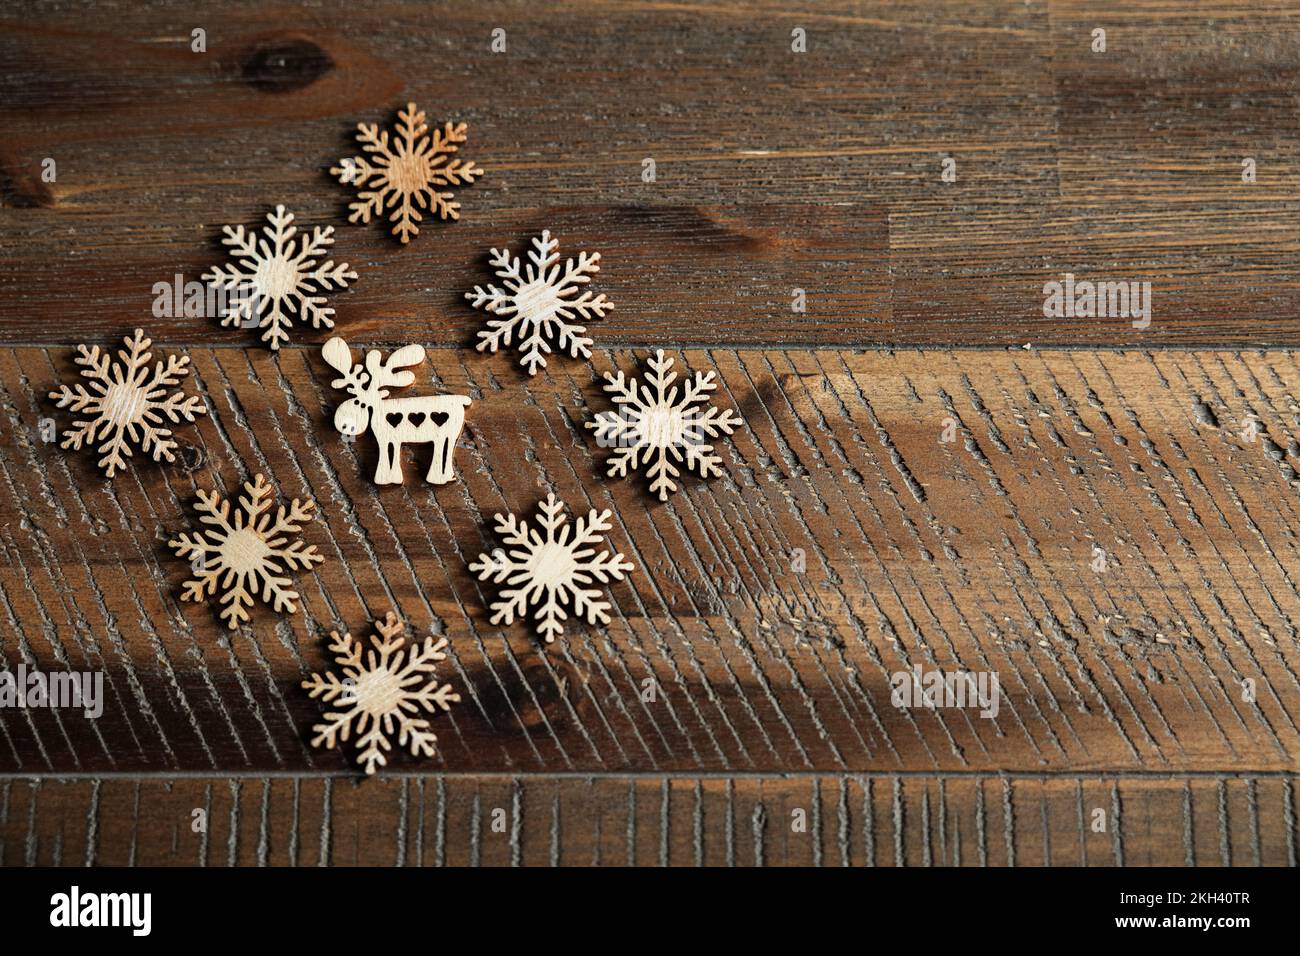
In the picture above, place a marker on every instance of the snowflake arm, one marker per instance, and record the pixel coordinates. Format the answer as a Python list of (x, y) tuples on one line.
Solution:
[(244, 556), (347, 653), (498, 301), (499, 567), (126, 403), (198, 548), (619, 429), (444, 171), (539, 303), (548, 568), (327, 276), (656, 427), (292, 551), (381, 693), (602, 567)]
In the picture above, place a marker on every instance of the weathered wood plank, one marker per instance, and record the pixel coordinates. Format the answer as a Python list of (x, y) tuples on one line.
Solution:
[(847, 542), (859, 820), (1115, 166), (1180, 96), (676, 275)]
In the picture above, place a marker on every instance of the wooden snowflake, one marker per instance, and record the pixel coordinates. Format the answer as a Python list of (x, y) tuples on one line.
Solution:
[(246, 554), (660, 427), (407, 173), (539, 301), (380, 692), (126, 402), (278, 277), (550, 567)]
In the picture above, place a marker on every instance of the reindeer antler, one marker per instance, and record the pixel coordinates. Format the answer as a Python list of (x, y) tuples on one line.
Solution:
[(375, 368), (377, 374), (339, 357), (385, 373)]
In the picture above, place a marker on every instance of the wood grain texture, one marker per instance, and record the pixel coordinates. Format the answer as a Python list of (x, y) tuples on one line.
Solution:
[(859, 820), (974, 554), (848, 540), (775, 170)]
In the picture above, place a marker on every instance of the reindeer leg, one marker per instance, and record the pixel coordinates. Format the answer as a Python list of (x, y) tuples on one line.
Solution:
[(440, 463), (385, 473), (452, 411)]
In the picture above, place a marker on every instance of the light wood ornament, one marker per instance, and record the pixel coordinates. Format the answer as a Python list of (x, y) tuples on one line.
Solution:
[(277, 276), (405, 174), (380, 692), (655, 425), (422, 419), (548, 568), (248, 552), (538, 303), (126, 402)]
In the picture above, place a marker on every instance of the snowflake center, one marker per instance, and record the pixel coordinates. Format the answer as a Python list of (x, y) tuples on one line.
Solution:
[(538, 301), (407, 173), (276, 277), (551, 564), (378, 692), (662, 426), (244, 548), (124, 403)]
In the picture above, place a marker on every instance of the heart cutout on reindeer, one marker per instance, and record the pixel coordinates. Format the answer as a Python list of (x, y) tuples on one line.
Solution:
[(420, 419)]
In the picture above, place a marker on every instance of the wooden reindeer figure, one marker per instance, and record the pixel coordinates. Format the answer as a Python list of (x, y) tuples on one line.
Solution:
[(423, 419)]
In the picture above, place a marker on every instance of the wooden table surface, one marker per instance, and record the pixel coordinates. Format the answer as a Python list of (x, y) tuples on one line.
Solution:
[(847, 540)]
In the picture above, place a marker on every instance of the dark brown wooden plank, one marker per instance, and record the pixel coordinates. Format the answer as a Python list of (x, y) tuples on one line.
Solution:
[(842, 136), (846, 543), (1116, 167), (1175, 117), (861, 820), (676, 275)]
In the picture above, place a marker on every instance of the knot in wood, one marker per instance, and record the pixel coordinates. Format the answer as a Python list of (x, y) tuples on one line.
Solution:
[(286, 65)]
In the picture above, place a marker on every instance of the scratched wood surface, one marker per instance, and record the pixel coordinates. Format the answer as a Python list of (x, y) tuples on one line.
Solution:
[(858, 820), (895, 499)]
